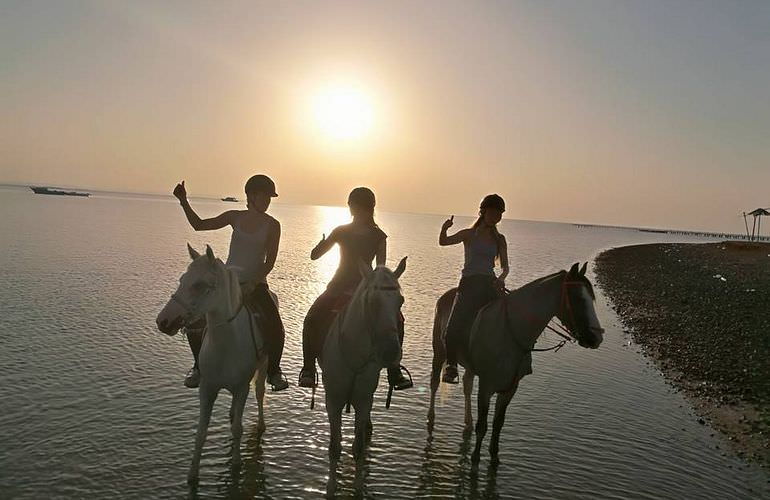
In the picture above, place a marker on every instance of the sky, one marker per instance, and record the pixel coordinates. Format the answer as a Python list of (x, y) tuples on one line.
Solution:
[(638, 113)]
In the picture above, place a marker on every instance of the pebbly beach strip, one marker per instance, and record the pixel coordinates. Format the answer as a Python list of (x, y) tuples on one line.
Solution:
[(702, 312)]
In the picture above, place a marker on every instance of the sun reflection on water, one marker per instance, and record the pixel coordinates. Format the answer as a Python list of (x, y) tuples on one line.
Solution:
[(329, 218)]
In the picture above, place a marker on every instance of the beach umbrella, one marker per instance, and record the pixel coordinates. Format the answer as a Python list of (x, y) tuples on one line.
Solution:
[(756, 227)]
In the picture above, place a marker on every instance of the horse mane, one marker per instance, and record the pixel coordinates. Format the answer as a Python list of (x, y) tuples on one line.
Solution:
[(228, 278), (539, 281), (383, 276), (578, 277)]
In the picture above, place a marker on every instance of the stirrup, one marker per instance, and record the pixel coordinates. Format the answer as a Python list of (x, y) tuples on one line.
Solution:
[(305, 376), (282, 382), (451, 375), (402, 383), (193, 377)]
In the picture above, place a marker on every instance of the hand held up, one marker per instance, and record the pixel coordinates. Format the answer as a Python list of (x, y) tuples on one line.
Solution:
[(180, 192), (448, 223)]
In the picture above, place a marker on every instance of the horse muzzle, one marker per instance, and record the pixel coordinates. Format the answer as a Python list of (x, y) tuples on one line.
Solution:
[(593, 339), (169, 327)]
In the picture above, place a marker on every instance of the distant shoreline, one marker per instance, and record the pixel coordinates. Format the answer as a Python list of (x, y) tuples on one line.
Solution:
[(708, 234), (700, 310)]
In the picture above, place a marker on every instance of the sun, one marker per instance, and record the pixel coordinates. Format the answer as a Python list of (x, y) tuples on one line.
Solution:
[(343, 112)]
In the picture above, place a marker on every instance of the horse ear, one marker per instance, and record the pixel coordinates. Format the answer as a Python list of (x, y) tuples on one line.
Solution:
[(583, 269), (210, 254), (363, 269), (574, 269), (193, 254), (400, 268)]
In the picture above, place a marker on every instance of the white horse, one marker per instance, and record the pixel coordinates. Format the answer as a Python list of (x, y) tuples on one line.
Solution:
[(231, 352), (361, 341), (502, 339)]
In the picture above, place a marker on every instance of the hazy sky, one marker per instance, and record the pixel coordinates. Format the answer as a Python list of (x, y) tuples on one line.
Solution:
[(617, 112)]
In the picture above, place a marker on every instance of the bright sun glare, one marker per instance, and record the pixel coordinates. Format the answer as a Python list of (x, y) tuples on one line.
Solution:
[(343, 112)]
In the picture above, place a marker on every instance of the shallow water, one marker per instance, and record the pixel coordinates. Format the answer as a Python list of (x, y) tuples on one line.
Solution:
[(93, 404)]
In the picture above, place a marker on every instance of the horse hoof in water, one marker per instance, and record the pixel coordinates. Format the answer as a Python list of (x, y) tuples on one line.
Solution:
[(475, 458)]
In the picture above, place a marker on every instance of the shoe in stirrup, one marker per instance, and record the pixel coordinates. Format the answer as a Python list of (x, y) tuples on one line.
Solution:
[(398, 381), (450, 375), (278, 381), (307, 378), (193, 378)]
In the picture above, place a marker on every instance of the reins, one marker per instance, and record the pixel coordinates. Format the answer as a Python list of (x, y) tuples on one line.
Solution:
[(565, 333), (241, 305)]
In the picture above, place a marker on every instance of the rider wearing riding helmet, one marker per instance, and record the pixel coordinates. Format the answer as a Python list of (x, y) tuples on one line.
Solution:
[(483, 244), (253, 250), (360, 241)]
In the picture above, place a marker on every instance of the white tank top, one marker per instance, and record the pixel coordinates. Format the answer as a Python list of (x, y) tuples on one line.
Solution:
[(247, 252)]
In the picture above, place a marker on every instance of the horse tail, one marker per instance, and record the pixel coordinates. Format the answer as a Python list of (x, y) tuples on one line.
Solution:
[(441, 317)]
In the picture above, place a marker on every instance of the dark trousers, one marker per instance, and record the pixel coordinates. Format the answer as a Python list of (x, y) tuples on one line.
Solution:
[(270, 324), (317, 322), (473, 293)]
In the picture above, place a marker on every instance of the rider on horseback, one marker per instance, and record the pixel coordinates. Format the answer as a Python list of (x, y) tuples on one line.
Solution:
[(253, 249), (360, 241), (483, 244)]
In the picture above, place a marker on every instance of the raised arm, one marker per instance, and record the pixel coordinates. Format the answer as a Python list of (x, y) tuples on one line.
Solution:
[(218, 222), (458, 237), (324, 245)]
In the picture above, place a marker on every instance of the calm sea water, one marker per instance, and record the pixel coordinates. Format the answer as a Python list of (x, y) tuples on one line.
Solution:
[(92, 403)]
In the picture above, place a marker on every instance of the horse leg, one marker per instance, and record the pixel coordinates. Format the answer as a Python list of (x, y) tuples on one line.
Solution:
[(435, 378), (481, 424), (334, 413), (236, 420), (362, 422), (207, 397), (503, 399), (259, 393), (467, 390)]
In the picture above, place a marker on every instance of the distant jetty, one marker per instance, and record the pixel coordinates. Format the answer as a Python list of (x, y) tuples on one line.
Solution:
[(701, 234), (230, 198), (57, 192)]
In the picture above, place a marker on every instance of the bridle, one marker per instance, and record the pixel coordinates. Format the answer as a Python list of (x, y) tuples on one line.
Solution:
[(189, 308), (565, 332), (369, 331)]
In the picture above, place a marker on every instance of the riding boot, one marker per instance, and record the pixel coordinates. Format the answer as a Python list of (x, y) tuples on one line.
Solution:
[(397, 380), (194, 335)]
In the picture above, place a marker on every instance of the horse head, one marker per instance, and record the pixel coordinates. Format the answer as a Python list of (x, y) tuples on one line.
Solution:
[(382, 310), (576, 308), (206, 286)]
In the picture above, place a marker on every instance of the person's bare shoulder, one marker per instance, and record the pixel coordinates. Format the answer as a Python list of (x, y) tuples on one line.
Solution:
[(232, 216), (272, 221)]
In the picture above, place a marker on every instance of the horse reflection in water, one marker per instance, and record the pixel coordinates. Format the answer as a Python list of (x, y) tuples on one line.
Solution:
[(231, 352), (502, 339), (362, 340)]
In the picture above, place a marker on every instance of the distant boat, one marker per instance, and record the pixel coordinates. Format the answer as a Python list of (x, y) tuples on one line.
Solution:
[(58, 192), (230, 198)]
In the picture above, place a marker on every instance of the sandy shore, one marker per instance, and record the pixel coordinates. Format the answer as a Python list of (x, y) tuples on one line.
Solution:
[(703, 313)]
